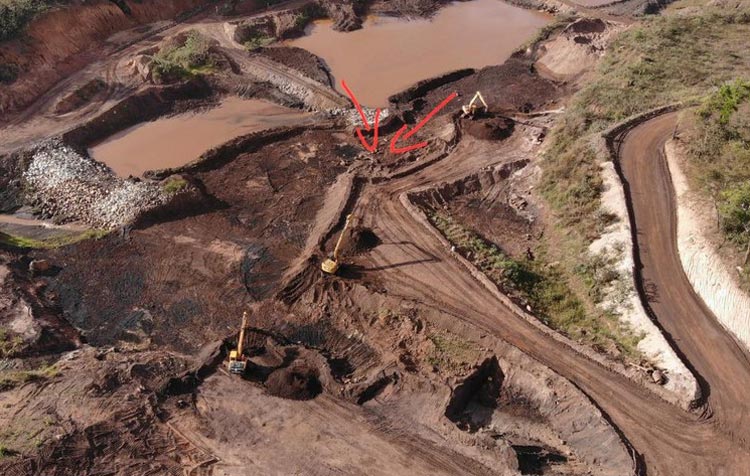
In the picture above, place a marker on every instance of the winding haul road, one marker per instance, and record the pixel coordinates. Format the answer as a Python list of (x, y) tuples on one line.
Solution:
[(670, 441)]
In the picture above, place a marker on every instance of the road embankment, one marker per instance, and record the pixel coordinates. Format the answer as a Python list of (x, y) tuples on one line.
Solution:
[(705, 269)]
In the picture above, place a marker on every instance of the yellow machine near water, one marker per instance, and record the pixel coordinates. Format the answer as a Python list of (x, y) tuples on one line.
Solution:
[(237, 361), (331, 265), (473, 109)]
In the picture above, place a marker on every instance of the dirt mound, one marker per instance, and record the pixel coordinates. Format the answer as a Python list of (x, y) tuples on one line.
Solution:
[(57, 42), (577, 48), (481, 386), (301, 60), (343, 13), (80, 96), (299, 381), (492, 128), (587, 25), (362, 240)]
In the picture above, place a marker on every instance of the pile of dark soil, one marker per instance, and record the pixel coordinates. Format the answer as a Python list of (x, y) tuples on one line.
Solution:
[(483, 386), (301, 60), (362, 240), (511, 86), (490, 128), (299, 381)]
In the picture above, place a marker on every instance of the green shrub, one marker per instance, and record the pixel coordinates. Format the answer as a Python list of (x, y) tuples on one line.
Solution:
[(546, 289), (174, 185), (258, 40), (734, 208), (191, 58), (726, 101), (15, 14)]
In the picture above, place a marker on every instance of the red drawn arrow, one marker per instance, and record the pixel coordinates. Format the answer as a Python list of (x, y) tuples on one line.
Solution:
[(368, 147), (397, 137)]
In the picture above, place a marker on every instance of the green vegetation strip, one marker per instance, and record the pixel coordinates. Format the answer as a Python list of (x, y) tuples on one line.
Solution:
[(192, 58), (15, 14), (13, 378), (49, 243), (545, 288), (719, 160), (664, 59)]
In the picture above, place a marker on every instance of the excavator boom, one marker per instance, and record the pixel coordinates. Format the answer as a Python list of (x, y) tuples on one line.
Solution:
[(331, 265), (472, 108), (237, 361)]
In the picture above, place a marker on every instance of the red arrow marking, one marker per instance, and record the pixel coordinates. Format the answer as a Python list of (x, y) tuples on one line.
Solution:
[(374, 146), (368, 147), (397, 137)]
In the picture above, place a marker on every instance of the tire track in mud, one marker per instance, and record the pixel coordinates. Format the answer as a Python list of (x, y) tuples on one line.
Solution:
[(414, 264)]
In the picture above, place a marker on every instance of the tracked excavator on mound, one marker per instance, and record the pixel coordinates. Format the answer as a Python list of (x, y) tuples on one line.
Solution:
[(237, 360), (473, 109), (331, 265)]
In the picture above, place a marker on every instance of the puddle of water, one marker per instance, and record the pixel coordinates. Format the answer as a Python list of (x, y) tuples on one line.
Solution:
[(390, 54), (177, 140)]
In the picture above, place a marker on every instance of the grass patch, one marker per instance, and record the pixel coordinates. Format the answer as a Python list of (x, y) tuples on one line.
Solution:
[(49, 243), (9, 345), (662, 60), (16, 14), (718, 149), (451, 353), (13, 378), (545, 289), (192, 58), (174, 185), (258, 40), (665, 59)]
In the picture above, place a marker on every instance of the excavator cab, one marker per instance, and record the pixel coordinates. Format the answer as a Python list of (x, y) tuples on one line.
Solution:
[(473, 109), (236, 363), (331, 265), (237, 360)]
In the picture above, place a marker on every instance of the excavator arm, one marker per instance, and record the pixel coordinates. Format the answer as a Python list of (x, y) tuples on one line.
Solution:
[(471, 108), (331, 265)]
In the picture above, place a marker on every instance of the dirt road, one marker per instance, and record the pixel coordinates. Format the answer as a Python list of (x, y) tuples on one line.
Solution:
[(721, 363), (413, 263)]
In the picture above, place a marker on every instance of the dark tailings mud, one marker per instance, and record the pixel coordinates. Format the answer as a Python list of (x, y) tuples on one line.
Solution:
[(389, 54)]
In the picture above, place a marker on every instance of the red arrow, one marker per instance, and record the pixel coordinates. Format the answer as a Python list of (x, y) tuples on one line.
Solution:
[(368, 147), (397, 137)]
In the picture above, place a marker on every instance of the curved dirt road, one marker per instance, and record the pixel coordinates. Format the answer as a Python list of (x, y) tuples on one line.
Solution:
[(722, 365), (671, 442)]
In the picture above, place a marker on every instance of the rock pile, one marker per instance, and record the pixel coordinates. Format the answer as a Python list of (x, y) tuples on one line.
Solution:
[(67, 186)]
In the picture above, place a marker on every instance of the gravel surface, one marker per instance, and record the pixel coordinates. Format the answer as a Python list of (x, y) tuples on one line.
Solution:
[(67, 186)]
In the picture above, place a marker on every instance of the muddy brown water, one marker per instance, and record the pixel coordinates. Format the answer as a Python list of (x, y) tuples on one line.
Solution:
[(178, 140), (390, 54)]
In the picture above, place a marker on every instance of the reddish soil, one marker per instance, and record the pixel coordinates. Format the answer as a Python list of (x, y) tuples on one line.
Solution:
[(196, 271), (404, 363)]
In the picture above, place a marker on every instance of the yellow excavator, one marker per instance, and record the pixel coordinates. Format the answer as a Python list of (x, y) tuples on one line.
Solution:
[(237, 361), (473, 109), (331, 265)]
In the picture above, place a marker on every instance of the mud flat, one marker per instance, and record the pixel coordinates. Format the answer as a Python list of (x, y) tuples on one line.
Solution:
[(401, 52), (175, 141)]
